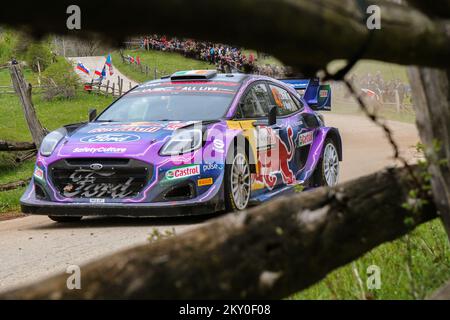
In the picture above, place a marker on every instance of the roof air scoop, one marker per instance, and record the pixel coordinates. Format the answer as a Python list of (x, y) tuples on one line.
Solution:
[(194, 75)]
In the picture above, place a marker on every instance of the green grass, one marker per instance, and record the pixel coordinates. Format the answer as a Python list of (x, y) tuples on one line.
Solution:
[(165, 62), (424, 252), (52, 114), (9, 200), (11, 173)]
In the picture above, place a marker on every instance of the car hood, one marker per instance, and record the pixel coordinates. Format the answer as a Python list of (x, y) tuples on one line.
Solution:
[(119, 138)]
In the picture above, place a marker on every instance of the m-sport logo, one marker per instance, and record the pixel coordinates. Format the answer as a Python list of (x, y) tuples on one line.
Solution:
[(110, 138)]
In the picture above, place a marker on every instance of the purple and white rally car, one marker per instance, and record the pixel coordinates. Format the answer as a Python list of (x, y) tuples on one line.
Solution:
[(192, 143)]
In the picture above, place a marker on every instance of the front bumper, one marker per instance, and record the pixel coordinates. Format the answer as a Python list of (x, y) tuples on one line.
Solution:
[(118, 209), (32, 205)]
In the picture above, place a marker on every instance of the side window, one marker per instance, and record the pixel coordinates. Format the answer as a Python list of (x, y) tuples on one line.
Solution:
[(256, 103), (283, 100)]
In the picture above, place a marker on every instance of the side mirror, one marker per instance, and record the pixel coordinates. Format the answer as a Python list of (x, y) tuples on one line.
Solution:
[(273, 116), (92, 114)]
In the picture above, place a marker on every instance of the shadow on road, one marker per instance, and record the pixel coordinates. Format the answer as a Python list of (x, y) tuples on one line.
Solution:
[(111, 222)]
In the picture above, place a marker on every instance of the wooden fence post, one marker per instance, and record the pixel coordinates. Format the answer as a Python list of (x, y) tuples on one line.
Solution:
[(107, 87), (23, 90), (114, 88)]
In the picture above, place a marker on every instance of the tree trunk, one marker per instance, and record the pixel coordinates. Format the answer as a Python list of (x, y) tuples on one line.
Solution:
[(16, 146), (303, 34), (270, 251), (13, 185), (431, 94), (23, 90)]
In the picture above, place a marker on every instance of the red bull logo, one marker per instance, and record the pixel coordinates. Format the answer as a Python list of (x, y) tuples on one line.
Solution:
[(276, 159)]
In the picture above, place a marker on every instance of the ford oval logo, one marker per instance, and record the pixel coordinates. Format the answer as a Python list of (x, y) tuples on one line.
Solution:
[(96, 166), (110, 138)]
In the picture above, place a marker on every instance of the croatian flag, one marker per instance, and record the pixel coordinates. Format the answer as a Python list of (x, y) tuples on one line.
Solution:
[(109, 64), (82, 68)]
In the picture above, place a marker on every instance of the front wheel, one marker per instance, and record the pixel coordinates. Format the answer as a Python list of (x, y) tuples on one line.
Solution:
[(327, 170), (65, 219), (237, 181)]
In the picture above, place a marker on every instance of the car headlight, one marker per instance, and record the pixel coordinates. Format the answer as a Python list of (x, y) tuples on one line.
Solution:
[(51, 140), (182, 141)]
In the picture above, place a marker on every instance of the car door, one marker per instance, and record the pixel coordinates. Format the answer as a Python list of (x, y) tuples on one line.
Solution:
[(253, 118), (289, 123)]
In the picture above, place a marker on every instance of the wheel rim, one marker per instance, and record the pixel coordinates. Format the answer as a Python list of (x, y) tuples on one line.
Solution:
[(240, 181), (330, 165)]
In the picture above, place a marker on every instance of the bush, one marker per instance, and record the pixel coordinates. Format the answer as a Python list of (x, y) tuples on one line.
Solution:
[(38, 55), (60, 81)]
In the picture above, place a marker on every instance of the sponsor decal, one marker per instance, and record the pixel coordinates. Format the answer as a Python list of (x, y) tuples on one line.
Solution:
[(205, 182), (266, 138), (323, 93), (212, 166), (138, 129), (99, 150), (183, 172), (270, 163), (306, 138), (110, 138), (218, 145), (84, 184), (97, 200), (39, 173)]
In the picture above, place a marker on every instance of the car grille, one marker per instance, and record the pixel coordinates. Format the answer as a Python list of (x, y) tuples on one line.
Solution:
[(100, 178)]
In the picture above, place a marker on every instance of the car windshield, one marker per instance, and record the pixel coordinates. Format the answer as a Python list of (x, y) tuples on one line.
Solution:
[(186, 101)]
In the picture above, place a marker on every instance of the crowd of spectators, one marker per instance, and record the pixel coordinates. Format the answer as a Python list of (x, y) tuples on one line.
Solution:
[(225, 58), (385, 91)]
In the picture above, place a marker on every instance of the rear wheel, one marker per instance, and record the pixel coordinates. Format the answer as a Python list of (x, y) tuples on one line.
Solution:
[(327, 170), (65, 219), (237, 181)]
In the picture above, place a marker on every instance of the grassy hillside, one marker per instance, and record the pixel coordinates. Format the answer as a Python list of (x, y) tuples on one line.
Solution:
[(165, 62)]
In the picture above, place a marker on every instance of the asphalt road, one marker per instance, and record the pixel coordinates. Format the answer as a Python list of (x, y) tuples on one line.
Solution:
[(35, 247)]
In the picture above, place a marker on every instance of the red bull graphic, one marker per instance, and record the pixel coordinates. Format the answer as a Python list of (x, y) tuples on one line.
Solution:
[(274, 157)]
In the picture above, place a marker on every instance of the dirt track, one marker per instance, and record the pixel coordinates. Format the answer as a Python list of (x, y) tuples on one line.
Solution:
[(97, 62), (35, 247)]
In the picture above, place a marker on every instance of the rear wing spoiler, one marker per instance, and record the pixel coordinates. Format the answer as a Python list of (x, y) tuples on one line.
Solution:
[(316, 95)]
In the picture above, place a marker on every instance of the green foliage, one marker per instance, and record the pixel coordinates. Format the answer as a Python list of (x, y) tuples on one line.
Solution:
[(60, 81), (38, 55), (8, 40)]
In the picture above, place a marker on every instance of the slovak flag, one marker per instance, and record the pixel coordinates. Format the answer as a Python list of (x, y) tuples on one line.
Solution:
[(82, 68), (98, 72), (109, 64)]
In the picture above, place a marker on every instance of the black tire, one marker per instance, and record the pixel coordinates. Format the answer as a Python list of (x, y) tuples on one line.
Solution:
[(64, 219), (318, 178), (230, 203)]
